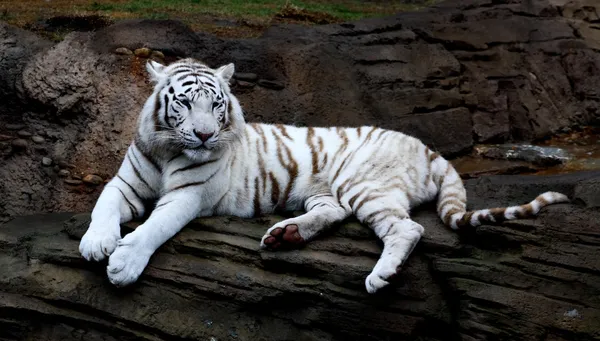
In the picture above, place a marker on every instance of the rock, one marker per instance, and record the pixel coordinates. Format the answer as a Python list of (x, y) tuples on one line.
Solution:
[(46, 161), (63, 173), (142, 52), (157, 55), (15, 126), (514, 279), (73, 182), (38, 139), (245, 76), (543, 156), (275, 85), (5, 137), (24, 133), (244, 84), (19, 144), (92, 179), (491, 126), (123, 51), (40, 148)]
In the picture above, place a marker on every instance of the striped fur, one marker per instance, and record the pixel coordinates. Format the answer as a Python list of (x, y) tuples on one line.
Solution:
[(195, 156)]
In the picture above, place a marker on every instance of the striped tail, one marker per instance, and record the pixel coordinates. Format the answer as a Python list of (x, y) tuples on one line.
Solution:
[(452, 201)]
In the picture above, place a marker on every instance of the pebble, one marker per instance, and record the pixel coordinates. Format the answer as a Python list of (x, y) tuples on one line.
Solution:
[(157, 55), (124, 51), (40, 148), (38, 139), (92, 179), (24, 133), (63, 173), (275, 85), (19, 144), (142, 52), (246, 76), (15, 126), (73, 182), (5, 137), (52, 134), (244, 84), (46, 161), (76, 177)]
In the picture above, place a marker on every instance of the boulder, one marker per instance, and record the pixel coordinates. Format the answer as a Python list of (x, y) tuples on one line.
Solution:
[(535, 279)]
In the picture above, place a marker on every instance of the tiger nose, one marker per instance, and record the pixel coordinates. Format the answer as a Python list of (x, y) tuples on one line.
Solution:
[(203, 137)]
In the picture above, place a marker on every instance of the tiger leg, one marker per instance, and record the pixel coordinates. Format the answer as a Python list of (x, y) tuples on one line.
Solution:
[(322, 211), (389, 219), (121, 200), (132, 254)]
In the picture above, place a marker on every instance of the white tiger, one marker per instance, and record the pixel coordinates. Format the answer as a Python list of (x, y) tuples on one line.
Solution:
[(197, 157)]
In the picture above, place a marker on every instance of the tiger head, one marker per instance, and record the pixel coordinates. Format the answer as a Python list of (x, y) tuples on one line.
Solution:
[(193, 108)]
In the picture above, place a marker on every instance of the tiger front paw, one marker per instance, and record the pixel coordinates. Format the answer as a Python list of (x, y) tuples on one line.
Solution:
[(99, 242), (282, 236), (128, 261)]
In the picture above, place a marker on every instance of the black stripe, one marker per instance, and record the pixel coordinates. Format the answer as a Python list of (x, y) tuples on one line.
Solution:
[(137, 172), (167, 111), (134, 211), (193, 166), (163, 204), (175, 157), (130, 187), (197, 183), (157, 125), (188, 83), (181, 70), (148, 157), (182, 77), (186, 103)]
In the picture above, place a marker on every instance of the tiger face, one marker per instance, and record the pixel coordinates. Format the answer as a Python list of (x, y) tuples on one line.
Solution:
[(193, 109)]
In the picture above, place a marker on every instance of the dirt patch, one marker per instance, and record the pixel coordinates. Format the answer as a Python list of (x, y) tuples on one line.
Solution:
[(55, 28), (291, 13)]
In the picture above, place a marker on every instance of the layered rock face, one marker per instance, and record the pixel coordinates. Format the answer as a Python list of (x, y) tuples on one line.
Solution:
[(533, 279)]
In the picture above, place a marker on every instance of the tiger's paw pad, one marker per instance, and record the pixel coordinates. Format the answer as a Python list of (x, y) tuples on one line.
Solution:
[(282, 238)]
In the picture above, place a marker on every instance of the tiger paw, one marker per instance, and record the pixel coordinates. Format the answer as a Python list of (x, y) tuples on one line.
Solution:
[(97, 244), (128, 261), (282, 237), (381, 278)]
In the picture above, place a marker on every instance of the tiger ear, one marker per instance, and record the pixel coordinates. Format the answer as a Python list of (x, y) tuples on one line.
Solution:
[(226, 72), (155, 70)]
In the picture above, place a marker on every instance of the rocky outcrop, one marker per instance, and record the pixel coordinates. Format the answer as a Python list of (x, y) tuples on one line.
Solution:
[(535, 279), (459, 73)]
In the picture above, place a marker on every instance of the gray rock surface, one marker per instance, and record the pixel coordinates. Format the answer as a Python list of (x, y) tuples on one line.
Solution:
[(535, 279)]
